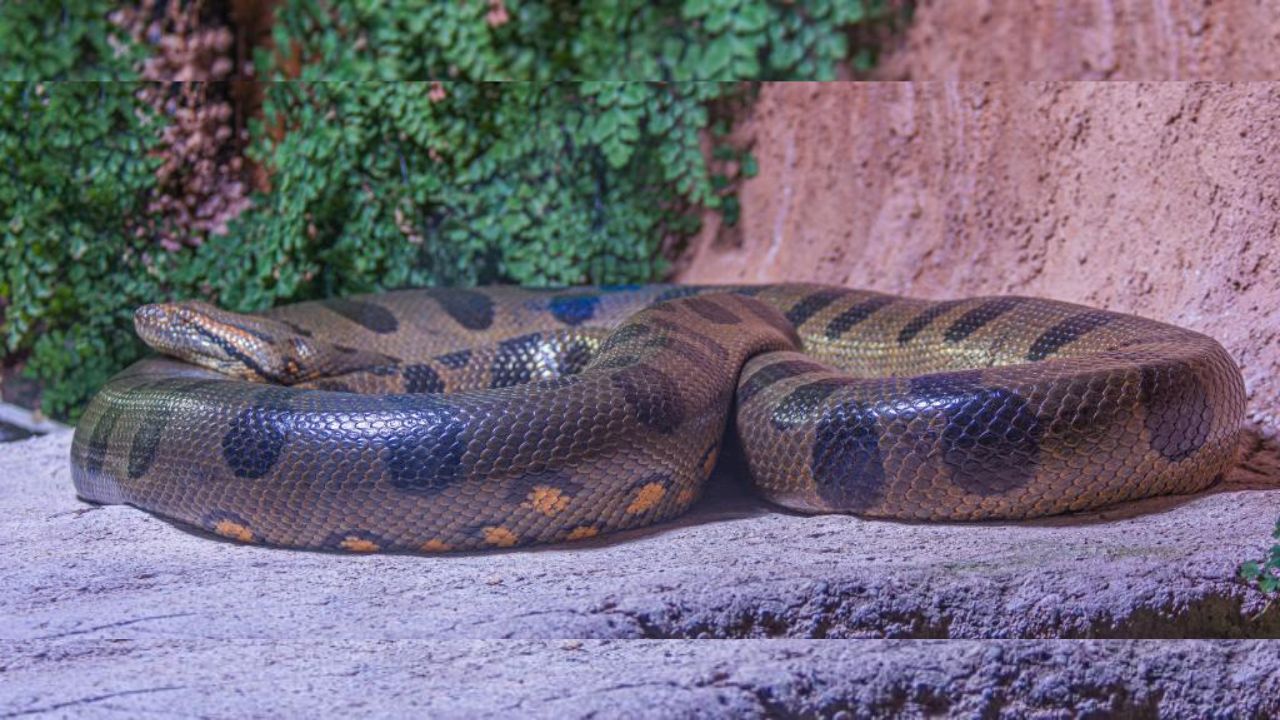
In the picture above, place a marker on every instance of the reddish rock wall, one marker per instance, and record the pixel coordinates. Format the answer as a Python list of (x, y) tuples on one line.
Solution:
[(1089, 40), (1158, 199)]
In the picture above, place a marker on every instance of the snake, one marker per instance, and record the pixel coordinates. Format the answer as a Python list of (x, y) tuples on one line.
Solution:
[(435, 420)]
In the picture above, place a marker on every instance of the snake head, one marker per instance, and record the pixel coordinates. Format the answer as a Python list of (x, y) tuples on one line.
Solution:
[(249, 347)]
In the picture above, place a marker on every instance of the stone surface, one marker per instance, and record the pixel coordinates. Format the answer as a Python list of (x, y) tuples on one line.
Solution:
[(112, 610), (1161, 200), (734, 567), (1089, 40), (668, 679)]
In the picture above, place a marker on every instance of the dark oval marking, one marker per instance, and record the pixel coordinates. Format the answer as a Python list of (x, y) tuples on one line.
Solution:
[(425, 455), (690, 353), (680, 337), (100, 439), (366, 314), (991, 441), (575, 356), (924, 319), (848, 470), (1179, 411), (422, 379), (619, 361), (813, 304), (1066, 332), (574, 309), (711, 311), (846, 320), (146, 442), (772, 318), (798, 407), (624, 335), (253, 443), (514, 363), (940, 389), (455, 360), (469, 308), (653, 395), (973, 320), (768, 375)]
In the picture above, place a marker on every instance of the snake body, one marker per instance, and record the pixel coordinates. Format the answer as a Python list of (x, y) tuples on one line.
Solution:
[(435, 420)]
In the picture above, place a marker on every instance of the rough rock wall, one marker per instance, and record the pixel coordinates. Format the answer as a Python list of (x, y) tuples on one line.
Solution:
[(1089, 40), (1158, 199)]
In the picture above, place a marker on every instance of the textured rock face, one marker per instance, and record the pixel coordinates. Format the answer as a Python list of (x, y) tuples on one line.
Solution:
[(1089, 40), (111, 612), (732, 567), (645, 679), (1158, 199)]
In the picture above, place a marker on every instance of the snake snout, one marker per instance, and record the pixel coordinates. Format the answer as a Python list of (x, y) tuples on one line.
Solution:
[(200, 333), (158, 326)]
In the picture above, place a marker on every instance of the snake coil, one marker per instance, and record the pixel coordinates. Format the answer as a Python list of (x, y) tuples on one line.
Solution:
[(436, 420)]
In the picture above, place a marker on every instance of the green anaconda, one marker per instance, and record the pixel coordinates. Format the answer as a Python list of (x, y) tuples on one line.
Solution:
[(435, 420)]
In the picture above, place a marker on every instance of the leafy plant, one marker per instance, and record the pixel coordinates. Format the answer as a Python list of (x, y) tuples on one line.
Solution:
[(387, 184), (549, 142), (1265, 573), (75, 171), (552, 40), (47, 40)]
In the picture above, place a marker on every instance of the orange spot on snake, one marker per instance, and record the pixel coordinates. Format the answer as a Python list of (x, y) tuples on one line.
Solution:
[(686, 496), (500, 537), (433, 546), (583, 532), (233, 530), (709, 462), (358, 544), (648, 497), (547, 500)]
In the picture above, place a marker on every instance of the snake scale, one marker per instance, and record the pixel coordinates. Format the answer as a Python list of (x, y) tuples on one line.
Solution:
[(434, 420)]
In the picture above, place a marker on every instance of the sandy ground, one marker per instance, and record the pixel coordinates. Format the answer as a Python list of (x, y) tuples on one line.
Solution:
[(112, 610)]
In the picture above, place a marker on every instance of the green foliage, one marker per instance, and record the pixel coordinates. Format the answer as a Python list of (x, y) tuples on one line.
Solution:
[(378, 184), (70, 40), (387, 184), (71, 267), (1265, 573), (556, 40)]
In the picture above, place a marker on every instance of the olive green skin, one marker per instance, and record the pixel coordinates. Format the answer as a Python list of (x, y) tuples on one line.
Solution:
[(440, 420)]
